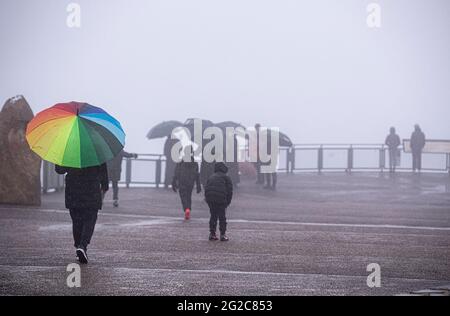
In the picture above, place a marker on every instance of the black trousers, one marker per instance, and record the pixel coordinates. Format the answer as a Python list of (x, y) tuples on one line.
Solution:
[(115, 186), (217, 212), (271, 179), (186, 196), (393, 159), (259, 174), (83, 225), (417, 160)]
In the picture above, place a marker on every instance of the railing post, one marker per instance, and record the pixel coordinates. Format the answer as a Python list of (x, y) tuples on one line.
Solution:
[(448, 163), (320, 159), (350, 159), (158, 172), (382, 158), (128, 172)]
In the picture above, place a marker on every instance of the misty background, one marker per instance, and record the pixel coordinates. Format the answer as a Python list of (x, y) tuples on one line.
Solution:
[(313, 68)]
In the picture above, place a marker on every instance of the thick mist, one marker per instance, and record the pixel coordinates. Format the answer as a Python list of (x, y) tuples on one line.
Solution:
[(312, 68)]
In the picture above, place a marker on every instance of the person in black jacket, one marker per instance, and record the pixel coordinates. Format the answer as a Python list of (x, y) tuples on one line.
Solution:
[(115, 172), (186, 175), (218, 195), (170, 164), (393, 141), (85, 189), (418, 141)]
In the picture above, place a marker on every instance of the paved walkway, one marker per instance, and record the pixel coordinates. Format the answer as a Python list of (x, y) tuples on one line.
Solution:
[(315, 235)]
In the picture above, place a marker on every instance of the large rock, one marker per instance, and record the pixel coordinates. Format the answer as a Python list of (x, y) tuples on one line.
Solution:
[(19, 167)]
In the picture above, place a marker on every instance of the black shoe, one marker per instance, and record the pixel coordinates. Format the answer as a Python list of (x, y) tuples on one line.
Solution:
[(213, 237), (116, 203), (223, 237), (82, 256)]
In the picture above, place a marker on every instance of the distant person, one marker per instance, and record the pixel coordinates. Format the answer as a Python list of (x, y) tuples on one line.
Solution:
[(186, 176), (232, 163), (85, 189), (271, 177), (170, 164), (115, 173), (260, 176), (206, 168), (393, 141), (417, 145), (218, 195)]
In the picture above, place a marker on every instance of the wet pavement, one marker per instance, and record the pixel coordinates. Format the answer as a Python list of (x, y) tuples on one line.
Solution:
[(314, 236)]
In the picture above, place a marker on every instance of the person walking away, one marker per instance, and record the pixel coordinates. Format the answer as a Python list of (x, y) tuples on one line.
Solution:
[(170, 164), (84, 193), (393, 141), (115, 173), (218, 195), (418, 141), (186, 176)]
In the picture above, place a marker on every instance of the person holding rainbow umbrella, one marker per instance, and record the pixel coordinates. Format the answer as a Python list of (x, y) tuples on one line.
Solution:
[(79, 139)]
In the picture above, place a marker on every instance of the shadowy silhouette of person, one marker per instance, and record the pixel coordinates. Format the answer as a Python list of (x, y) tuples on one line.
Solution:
[(393, 141), (170, 164), (186, 176), (260, 176), (115, 173), (418, 142)]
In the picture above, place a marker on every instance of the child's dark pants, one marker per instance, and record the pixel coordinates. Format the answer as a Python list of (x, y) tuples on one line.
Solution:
[(217, 213)]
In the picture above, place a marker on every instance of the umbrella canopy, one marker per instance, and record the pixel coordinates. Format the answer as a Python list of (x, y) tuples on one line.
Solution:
[(189, 124), (224, 125), (285, 141), (75, 135), (163, 129), (205, 123)]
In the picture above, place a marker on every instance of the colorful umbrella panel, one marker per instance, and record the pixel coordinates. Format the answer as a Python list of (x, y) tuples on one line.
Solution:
[(75, 135)]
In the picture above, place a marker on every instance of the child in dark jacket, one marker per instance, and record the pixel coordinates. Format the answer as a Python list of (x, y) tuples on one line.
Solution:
[(186, 176), (218, 195)]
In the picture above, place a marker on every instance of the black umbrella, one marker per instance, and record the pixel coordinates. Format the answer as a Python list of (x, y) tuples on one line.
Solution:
[(189, 124), (285, 141), (163, 129)]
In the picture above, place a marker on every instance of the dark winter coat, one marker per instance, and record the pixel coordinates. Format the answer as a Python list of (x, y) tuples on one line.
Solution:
[(115, 165), (417, 141), (219, 188), (170, 164), (186, 175), (85, 187), (393, 141)]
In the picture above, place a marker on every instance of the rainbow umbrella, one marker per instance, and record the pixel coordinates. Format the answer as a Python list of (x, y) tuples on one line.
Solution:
[(75, 135)]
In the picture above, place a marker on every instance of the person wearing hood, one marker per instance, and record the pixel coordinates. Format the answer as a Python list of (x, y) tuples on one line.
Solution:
[(115, 173), (186, 176), (218, 195), (393, 141), (417, 145)]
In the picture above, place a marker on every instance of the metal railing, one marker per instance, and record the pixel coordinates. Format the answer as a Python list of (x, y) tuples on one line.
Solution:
[(322, 157), (149, 169)]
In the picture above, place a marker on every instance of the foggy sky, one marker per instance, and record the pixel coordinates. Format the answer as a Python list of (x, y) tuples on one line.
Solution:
[(312, 68)]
